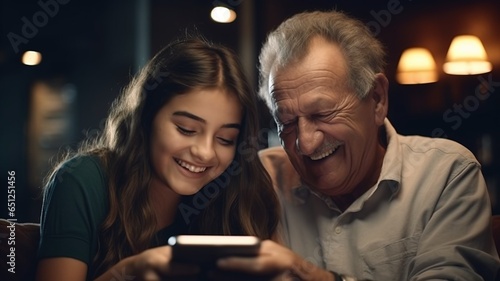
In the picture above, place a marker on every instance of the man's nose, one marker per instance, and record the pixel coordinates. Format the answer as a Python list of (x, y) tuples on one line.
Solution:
[(308, 136)]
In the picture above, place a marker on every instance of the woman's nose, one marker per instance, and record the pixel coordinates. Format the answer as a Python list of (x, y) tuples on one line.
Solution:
[(203, 150)]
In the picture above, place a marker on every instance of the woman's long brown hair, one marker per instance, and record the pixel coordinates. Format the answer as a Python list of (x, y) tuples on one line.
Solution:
[(245, 204)]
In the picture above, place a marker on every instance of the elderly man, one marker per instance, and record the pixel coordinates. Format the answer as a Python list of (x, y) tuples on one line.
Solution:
[(359, 200)]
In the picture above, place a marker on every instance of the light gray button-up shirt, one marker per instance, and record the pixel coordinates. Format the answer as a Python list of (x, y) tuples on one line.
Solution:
[(427, 217)]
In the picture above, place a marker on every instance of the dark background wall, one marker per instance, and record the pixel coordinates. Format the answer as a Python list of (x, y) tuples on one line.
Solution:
[(91, 49)]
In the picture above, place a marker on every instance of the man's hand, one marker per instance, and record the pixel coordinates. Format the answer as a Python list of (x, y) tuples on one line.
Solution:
[(274, 262)]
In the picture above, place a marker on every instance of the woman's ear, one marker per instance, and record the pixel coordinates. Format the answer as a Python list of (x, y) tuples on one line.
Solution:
[(380, 96)]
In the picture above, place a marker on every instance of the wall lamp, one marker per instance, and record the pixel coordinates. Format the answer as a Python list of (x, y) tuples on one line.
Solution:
[(466, 56), (416, 66)]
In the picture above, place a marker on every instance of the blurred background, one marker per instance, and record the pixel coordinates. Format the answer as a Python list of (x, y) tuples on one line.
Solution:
[(90, 49)]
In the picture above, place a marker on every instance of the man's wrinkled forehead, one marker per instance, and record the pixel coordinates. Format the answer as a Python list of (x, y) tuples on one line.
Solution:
[(295, 83)]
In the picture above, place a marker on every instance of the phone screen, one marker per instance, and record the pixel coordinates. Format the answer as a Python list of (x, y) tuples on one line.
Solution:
[(208, 248)]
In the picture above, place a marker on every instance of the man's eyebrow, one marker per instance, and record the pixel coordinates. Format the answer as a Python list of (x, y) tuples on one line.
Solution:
[(199, 119)]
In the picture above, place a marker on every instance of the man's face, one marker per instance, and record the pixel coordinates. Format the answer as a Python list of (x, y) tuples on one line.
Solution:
[(329, 134)]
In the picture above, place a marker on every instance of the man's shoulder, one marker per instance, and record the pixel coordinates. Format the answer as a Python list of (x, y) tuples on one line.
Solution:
[(442, 146), (275, 159), (274, 153), (424, 143), (279, 167)]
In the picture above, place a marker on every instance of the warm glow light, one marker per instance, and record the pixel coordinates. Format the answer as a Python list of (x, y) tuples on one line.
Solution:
[(213, 240), (416, 66), (31, 58), (466, 56), (223, 14)]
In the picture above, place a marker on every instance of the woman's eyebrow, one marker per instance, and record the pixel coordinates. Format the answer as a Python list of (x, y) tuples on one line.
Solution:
[(199, 119), (189, 115)]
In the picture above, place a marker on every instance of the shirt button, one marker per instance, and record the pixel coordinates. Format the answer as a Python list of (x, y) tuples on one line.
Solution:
[(338, 229)]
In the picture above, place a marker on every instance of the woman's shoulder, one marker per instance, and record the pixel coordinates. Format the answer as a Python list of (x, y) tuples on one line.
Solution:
[(84, 165), (80, 171)]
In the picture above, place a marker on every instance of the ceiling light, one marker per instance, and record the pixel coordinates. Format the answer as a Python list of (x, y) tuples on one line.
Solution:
[(223, 14), (31, 58)]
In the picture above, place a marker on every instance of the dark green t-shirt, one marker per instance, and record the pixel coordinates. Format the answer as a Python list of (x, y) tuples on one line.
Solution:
[(75, 205)]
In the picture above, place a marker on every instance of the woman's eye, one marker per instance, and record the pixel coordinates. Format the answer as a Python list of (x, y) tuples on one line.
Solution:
[(224, 141), (185, 131)]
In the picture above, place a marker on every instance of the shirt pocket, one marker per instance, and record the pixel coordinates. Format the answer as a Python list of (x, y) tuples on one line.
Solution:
[(391, 260)]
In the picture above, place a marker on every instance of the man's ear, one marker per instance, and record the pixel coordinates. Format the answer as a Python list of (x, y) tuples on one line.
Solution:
[(380, 94)]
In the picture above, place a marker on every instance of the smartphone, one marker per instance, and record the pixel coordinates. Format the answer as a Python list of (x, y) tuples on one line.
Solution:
[(206, 249)]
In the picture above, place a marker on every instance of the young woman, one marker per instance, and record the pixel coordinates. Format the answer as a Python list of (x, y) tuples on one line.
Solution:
[(178, 155)]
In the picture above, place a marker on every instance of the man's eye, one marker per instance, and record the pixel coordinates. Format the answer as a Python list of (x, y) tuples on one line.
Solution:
[(324, 116), (185, 131), (286, 127)]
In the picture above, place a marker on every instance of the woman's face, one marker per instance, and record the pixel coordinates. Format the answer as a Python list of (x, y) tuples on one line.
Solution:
[(194, 138)]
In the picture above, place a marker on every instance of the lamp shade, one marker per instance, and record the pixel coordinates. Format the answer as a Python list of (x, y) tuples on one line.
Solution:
[(416, 66), (466, 56)]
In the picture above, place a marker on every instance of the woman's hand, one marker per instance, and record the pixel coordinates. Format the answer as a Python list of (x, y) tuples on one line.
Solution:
[(274, 262), (152, 264)]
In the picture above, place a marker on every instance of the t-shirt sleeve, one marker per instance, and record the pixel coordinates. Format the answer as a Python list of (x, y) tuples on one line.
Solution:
[(74, 206)]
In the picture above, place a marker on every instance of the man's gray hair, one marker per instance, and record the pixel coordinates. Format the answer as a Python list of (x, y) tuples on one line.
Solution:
[(364, 54)]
